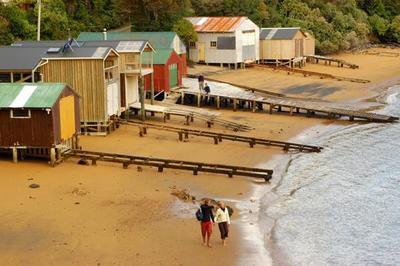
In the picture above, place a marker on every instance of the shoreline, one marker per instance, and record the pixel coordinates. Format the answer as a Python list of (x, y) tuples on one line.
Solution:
[(282, 163)]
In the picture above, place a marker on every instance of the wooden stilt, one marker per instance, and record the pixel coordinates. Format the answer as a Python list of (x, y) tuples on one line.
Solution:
[(234, 105), (52, 157), (198, 100), (15, 154), (218, 102), (183, 97), (271, 108)]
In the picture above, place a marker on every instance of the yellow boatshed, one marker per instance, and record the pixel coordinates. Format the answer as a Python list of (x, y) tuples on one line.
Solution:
[(285, 46)]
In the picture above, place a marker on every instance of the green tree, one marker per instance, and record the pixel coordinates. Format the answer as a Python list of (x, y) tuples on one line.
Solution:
[(185, 30), (395, 29), (379, 25), (14, 25)]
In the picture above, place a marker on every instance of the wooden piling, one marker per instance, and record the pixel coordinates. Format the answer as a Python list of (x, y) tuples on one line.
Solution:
[(15, 154)]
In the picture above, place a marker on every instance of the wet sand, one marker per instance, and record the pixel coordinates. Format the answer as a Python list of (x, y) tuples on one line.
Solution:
[(106, 215)]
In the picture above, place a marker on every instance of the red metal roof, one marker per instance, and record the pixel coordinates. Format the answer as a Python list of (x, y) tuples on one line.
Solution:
[(216, 24)]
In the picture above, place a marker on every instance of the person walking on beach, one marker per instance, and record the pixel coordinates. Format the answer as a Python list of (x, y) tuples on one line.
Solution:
[(223, 220), (200, 78), (207, 221)]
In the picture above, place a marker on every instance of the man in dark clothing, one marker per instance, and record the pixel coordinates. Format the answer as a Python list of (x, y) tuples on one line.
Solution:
[(200, 78), (207, 90), (207, 221)]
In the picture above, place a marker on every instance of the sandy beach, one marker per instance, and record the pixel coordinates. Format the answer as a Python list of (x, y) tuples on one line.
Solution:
[(107, 215)]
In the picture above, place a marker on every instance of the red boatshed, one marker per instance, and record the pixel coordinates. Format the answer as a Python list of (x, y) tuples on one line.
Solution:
[(168, 70)]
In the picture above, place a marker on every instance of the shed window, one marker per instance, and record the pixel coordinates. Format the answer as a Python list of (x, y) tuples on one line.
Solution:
[(192, 44), (213, 44), (20, 113)]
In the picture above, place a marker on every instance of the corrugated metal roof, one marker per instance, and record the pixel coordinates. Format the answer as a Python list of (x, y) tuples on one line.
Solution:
[(119, 46), (278, 33), (160, 40), (216, 24), (29, 95), (13, 58), (161, 56), (27, 58)]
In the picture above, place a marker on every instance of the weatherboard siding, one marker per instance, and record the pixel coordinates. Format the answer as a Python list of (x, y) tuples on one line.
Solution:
[(87, 79), (36, 131)]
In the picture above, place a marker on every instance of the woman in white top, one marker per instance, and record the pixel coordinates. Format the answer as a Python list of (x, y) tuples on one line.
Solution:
[(223, 220)]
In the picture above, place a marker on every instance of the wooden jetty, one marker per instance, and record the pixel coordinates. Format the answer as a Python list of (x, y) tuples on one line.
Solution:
[(382, 53), (160, 163), (183, 133), (329, 60), (239, 98), (210, 118), (307, 73)]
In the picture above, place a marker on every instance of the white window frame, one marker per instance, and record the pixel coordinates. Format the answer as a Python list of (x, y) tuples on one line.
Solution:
[(20, 117), (211, 44), (192, 44)]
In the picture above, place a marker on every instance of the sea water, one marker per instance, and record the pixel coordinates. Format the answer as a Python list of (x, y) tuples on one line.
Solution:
[(341, 206)]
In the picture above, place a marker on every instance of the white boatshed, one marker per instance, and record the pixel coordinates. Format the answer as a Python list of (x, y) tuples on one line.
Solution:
[(225, 40)]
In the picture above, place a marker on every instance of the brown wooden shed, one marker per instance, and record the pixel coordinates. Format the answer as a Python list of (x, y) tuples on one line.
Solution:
[(38, 119)]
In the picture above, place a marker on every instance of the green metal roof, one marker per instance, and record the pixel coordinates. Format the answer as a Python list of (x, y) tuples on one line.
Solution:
[(159, 40), (29, 95), (161, 56)]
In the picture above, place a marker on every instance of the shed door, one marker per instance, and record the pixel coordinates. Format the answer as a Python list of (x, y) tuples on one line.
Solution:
[(113, 99), (202, 51), (299, 48), (132, 89), (67, 117), (173, 75)]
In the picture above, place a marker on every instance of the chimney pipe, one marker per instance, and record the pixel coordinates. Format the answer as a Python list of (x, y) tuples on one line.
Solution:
[(105, 34)]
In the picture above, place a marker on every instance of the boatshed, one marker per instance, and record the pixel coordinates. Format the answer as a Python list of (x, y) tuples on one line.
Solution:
[(225, 40), (38, 119), (164, 59), (285, 46), (93, 72)]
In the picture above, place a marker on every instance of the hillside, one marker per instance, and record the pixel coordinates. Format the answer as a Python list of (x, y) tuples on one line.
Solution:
[(336, 24)]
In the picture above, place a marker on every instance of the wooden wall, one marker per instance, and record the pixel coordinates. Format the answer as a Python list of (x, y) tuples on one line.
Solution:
[(283, 49), (36, 131), (277, 49), (87, 78)]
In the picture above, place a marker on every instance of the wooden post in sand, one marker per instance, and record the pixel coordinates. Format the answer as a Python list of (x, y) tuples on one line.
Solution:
[(234, 105), (291, 110), (254, 106), (52, 157), (218, 102), (15, 154), (271, 107)]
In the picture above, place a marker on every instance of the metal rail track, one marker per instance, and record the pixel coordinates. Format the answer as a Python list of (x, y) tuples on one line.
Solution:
[(219, 137), (194, 167)]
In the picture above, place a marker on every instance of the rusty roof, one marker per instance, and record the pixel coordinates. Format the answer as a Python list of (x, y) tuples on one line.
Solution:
[(216, 24)]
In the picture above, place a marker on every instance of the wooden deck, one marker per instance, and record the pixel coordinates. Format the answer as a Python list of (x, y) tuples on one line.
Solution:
[(237, 98), (183, 133), (210, 118), (329, 60), (194, 167)]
